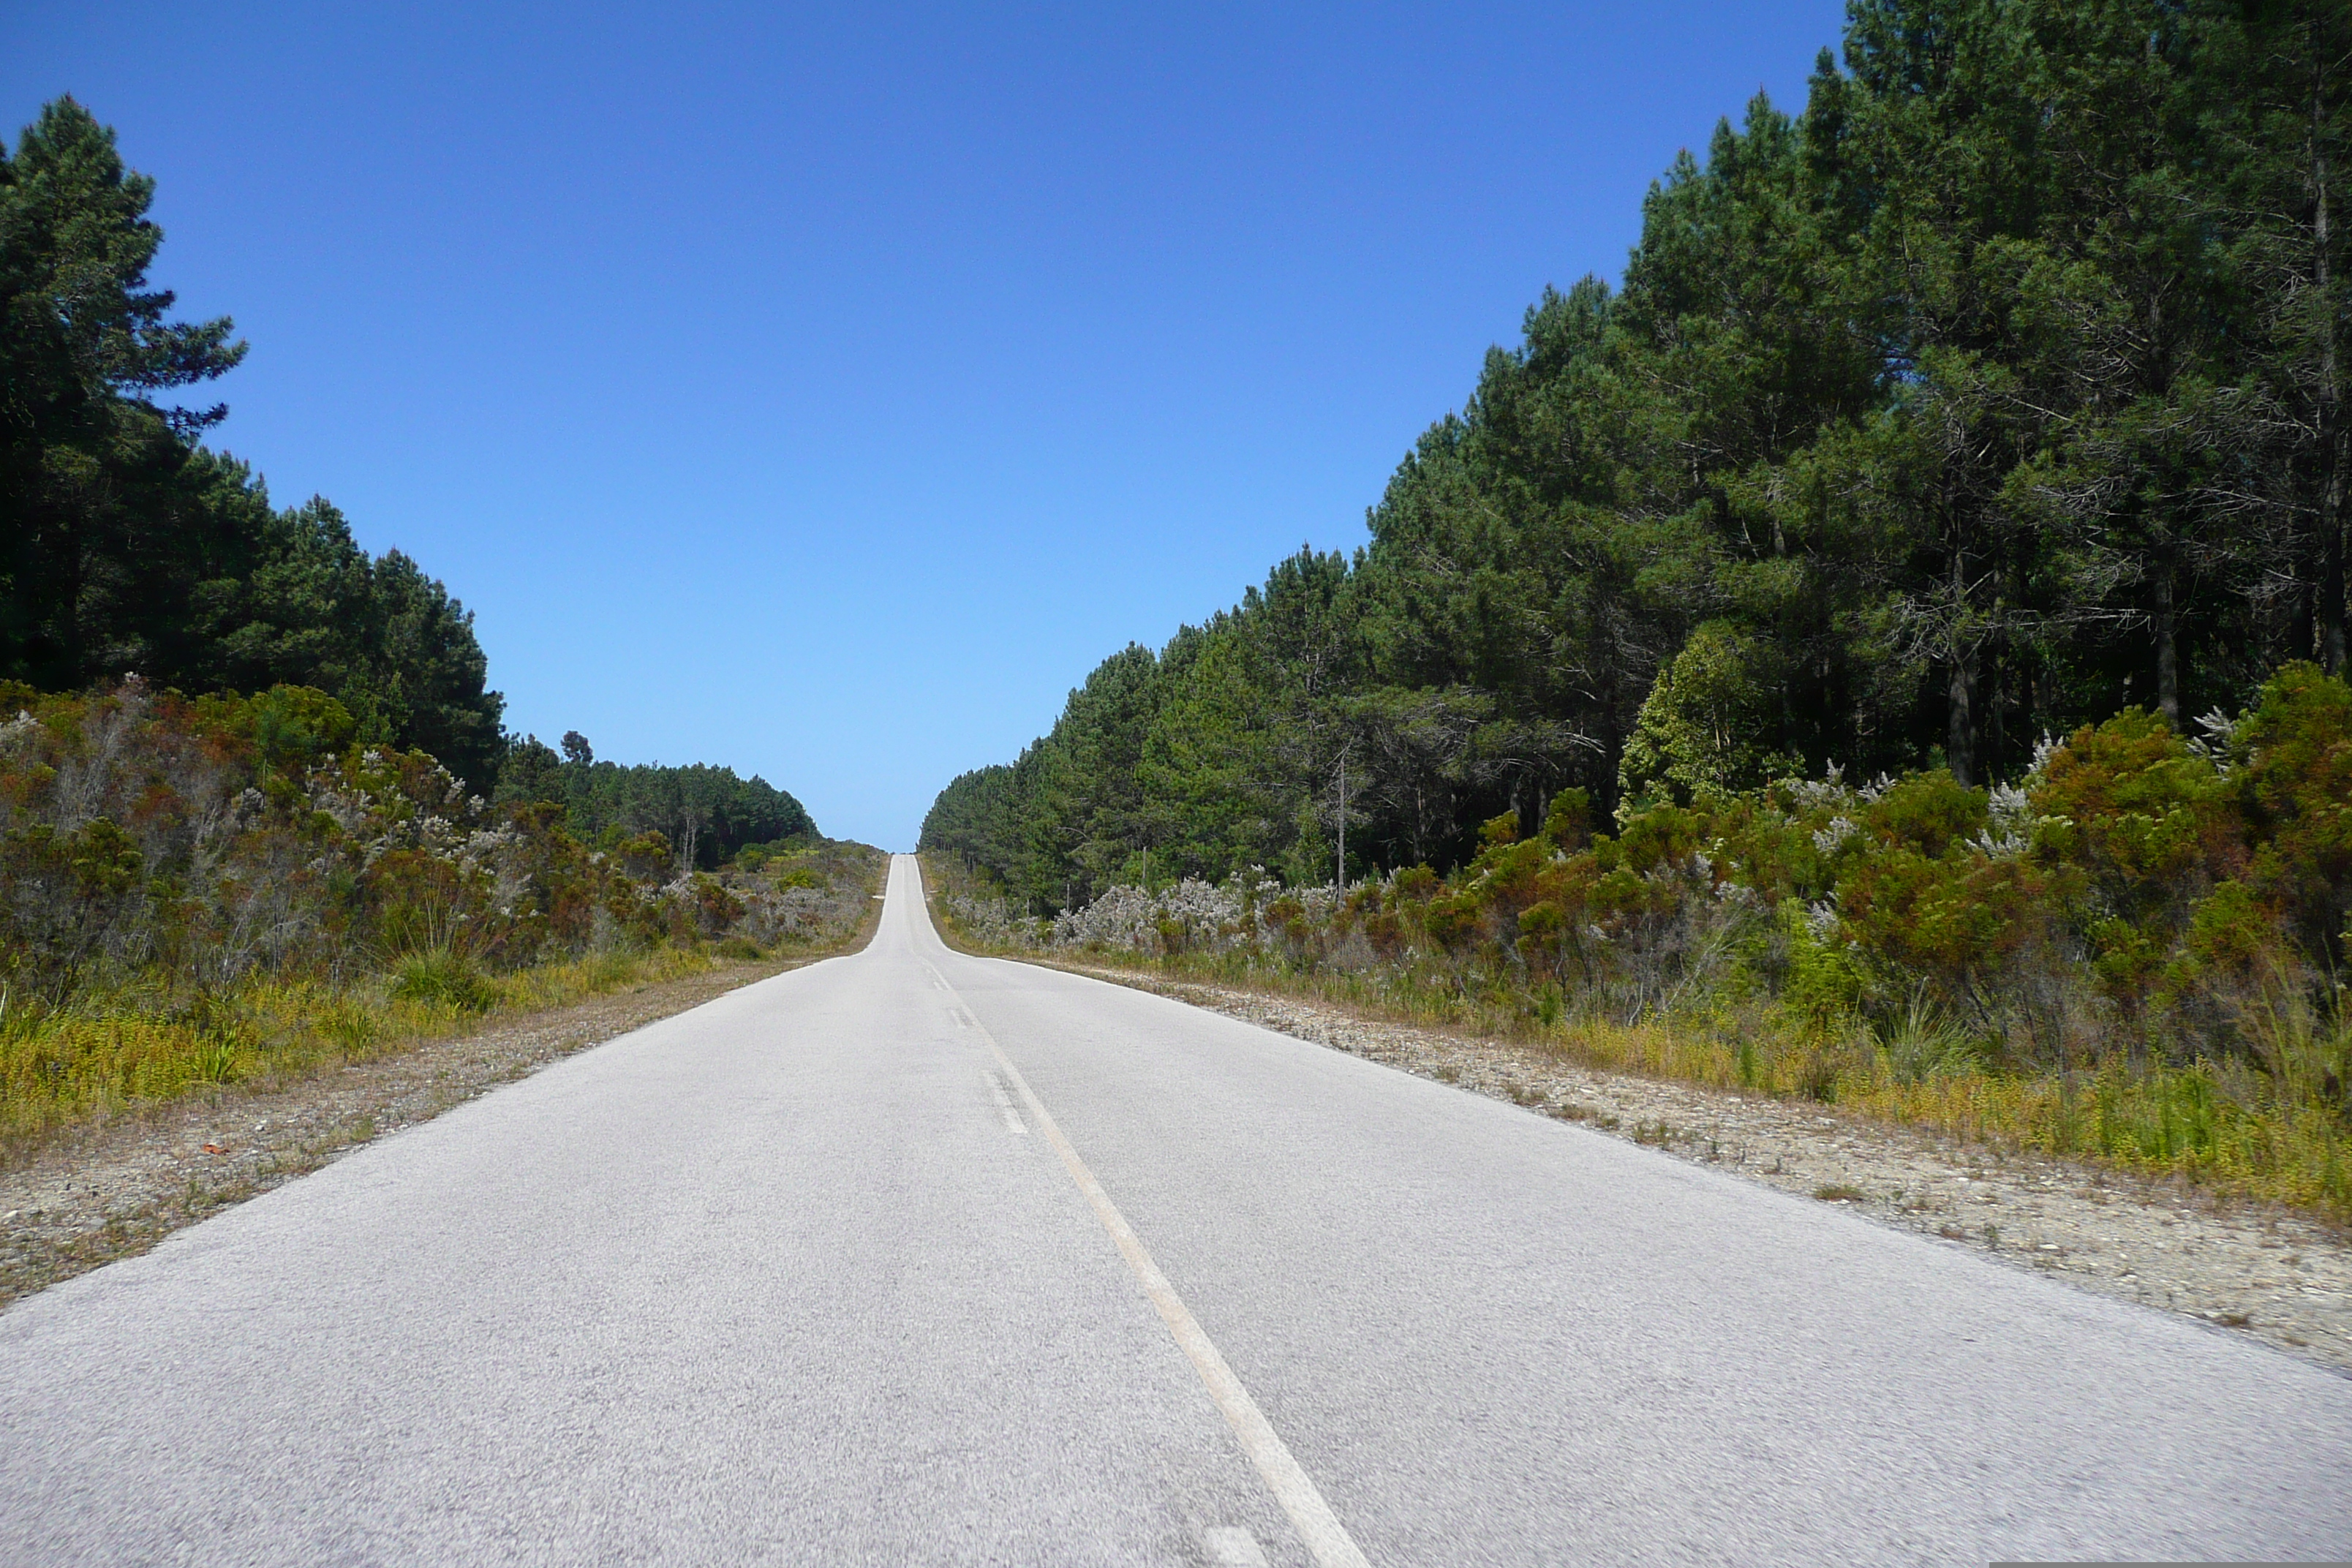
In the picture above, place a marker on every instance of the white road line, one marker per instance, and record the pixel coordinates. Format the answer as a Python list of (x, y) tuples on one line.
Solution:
[(1326, 1539), (1231, 1546), (1013, 1122)]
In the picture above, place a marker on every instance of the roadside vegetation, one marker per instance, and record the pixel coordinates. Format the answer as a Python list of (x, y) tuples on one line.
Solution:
[(1786, 670), (258, 812), (202, 891), (2128, 957)]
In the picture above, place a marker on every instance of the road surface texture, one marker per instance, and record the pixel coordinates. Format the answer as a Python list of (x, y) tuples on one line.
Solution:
[(915, 1257)]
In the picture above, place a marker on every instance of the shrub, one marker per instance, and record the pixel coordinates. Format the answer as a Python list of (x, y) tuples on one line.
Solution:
[(2147, 821), (1926, 814), (1453, 923), (1702, 729), (2131, 952), (1819, 986), (2295, 748), (196, 890), (443, 978), (1958, 924)]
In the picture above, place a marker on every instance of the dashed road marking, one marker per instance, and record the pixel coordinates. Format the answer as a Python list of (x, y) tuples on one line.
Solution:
[(1326, 1539), (1013, 1122), (1231, 1546)]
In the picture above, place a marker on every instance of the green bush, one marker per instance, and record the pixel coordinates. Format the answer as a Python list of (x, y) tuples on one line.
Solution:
[(443, 977)]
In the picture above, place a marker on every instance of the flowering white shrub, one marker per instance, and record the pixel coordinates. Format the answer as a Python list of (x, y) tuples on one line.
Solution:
[(1192, 915)]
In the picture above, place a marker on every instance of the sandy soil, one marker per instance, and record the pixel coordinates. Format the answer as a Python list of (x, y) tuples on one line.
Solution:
[(2278, 1275)]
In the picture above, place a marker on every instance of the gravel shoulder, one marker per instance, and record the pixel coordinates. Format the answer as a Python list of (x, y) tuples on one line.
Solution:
[(2272, 1274), (116, 1188)]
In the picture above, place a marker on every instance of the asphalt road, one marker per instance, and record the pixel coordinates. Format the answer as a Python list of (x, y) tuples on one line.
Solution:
[(915, 1258)]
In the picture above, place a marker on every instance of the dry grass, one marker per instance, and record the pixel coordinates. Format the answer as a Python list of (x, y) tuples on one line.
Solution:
[(2220, 1126), (140, 1044), (108, 1051)]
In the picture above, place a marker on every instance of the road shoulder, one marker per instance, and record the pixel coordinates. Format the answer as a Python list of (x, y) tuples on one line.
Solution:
[(114, 1189), (2272, 1274)]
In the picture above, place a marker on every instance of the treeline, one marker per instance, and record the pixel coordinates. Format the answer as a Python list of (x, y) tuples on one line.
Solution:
[(703, 815), (1996, 392), (129, 548)]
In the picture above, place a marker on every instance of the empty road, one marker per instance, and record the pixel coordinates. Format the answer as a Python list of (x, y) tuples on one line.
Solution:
[(915, 1258)]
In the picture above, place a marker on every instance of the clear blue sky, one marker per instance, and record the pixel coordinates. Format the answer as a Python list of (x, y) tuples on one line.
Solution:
[(823, 391)]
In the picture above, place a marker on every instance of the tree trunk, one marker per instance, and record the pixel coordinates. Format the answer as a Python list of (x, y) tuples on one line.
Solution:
[(1340, 882), (1960, 732), (2331, 576), (2302, 638), (2168, 643), (72, 646), (1960, 743), (1998, 697), (2331, 416), (2029, 718)]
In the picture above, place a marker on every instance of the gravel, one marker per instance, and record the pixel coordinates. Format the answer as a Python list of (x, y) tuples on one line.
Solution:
[(115, 1188), (2274, 1274)]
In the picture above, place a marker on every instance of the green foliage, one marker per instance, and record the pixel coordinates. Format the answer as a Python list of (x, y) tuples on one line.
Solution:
[(2295, 748), (128, 546), (1820, 985), (1996, 392), (698, 818), (1567, 822), (197, 891), (2134, 954), (2147, 818), (199, 842), (442, 977), (1929, 813), (2128, 957), (293, 727), (1700, 730)]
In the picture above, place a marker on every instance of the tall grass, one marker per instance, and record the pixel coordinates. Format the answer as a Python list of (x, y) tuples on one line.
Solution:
[(106, 1052)]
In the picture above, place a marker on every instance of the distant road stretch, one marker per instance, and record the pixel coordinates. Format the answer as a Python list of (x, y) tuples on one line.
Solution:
[(914, 1257)]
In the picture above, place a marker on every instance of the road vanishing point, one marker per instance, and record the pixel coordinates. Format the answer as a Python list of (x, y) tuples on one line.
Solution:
[(913, 1257)]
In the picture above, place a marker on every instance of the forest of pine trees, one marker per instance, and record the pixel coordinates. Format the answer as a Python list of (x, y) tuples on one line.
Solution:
[(1998, 391), (131, 548)]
